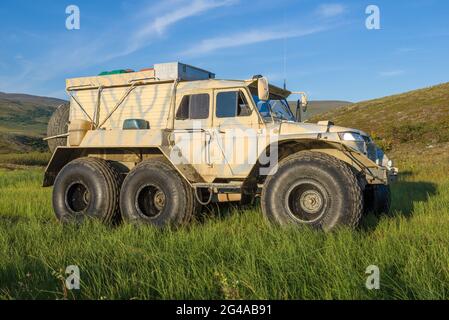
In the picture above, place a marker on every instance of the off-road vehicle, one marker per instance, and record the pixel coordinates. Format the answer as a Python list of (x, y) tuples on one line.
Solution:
[(155, 146)]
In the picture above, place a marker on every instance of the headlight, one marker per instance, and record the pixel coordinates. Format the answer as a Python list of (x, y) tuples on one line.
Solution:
[(389, 164), (351, 136)]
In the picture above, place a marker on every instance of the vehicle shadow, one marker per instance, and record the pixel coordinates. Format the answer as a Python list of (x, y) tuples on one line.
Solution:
[(221, 211), (404, 196)]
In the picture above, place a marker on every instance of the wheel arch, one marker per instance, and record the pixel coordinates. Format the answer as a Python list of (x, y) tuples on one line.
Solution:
[(63, 155), (286, 148)]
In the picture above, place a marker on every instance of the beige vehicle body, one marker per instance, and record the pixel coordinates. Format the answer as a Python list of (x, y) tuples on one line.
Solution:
[(226, 155)]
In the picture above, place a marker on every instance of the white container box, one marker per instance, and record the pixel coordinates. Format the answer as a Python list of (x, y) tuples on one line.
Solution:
[(177, 70)]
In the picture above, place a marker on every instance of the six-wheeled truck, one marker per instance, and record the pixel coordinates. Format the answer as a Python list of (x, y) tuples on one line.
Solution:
[(154, 146)]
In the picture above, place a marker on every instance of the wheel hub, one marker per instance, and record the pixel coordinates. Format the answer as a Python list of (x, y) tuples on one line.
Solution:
[(306, 201), (150, 201), (77, 197), (311, 201), (86, 197), (159, 200)]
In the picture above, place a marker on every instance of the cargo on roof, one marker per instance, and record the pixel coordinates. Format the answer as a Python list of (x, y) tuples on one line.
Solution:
[(160, 72)]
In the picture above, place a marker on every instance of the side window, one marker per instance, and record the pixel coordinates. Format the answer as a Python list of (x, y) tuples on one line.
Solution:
[(243, 109), (195, 107), (232, 104)]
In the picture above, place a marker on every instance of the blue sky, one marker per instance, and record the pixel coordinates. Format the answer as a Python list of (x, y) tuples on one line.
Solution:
[(324, 45)]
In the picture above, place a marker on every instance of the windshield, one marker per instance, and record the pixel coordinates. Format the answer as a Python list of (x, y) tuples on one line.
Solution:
[(279, 108)]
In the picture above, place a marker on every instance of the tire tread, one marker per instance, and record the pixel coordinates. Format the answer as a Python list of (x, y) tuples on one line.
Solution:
[(113, 181)]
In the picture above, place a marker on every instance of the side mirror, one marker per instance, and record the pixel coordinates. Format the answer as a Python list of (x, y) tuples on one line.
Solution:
[(304, 102), (263, 89), (301, 103), (298, 111)]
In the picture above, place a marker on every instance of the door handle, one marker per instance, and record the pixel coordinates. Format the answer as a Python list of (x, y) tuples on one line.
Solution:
[(208, 136)]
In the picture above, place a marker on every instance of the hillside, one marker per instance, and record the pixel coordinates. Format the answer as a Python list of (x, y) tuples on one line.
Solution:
[(318, 107), (23, 121), (412, 121)]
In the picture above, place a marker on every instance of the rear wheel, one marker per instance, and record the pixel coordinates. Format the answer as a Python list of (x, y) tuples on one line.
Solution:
[(311, 188), (87, 188), (58, 124), (154, 193)]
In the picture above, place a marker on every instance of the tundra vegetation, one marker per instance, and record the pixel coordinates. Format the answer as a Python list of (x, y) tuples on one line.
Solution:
[(234, 253)]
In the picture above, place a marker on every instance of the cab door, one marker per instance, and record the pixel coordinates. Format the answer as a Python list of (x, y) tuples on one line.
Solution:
[(191, 137), (236, 126)]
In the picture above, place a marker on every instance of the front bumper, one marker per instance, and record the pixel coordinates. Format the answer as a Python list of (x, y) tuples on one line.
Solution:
[(381, 175), (381, 159), (383, 172)]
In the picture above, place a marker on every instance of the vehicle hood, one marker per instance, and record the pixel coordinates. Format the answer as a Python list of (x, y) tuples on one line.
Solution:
[(308, 128)]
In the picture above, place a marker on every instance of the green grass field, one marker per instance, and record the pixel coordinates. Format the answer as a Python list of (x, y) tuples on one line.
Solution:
[(235, 253), (232, 254)]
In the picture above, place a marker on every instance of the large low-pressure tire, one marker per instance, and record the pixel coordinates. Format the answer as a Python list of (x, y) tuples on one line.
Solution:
[(154, 193), (312, 188), (377, 199), (58, 124), (87, 188)]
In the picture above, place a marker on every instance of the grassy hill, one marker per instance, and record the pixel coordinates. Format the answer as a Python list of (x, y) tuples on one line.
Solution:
[(415, 121), (23, 121), (318, 107)]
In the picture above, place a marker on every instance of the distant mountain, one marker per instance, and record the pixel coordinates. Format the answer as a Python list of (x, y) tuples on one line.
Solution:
[(318, 107), (26, 98), (23, 121)]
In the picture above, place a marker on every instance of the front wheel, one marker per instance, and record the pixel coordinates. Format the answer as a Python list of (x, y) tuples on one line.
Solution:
[(312, 188)]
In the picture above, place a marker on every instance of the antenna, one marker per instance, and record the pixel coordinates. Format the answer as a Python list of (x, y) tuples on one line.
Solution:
[(285, 65), (285, 56)]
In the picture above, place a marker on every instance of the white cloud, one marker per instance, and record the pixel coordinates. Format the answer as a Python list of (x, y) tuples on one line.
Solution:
[(192, 9), (105, 46), (245, 38), (391, 73), (331, 10), (161, 23)]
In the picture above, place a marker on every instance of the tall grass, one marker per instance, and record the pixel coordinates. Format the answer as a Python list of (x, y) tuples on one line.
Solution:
[(229, 256), (25, 159)]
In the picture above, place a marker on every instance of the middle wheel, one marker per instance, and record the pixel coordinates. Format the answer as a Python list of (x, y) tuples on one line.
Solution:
[(154, 193)]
